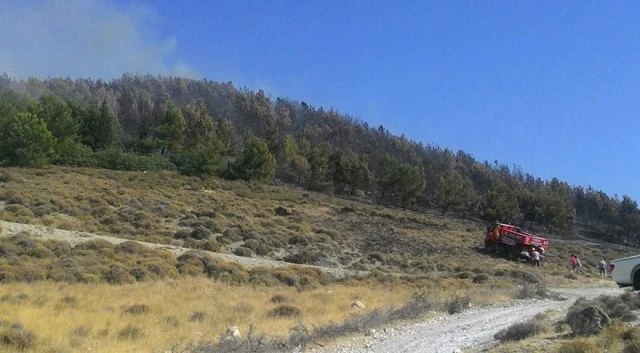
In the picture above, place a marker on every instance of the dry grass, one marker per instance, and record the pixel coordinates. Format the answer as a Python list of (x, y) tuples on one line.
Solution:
[(74, 317)]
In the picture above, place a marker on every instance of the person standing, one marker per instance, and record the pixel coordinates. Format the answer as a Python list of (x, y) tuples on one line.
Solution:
[(536, 258), (578, 264), (603, 267), (574, 262)]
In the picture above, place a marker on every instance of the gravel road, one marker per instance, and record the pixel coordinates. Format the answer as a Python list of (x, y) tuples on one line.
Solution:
[(471, 330)]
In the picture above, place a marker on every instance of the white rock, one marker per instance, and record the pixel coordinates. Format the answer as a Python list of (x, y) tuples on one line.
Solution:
[(233, 332), (357, 304)]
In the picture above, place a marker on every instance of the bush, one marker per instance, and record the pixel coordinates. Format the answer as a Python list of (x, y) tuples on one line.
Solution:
[(18, 337), (481, 278), (197, 316), (118, 160), (457, 305), (280, 298), (521, 331), (136, 309), (465, 275), (201, 233), (284, 311), (130, 332), (529, 290), (244, 252), (306, 256)]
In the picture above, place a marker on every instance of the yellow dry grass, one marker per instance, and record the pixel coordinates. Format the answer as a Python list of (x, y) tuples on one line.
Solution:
[(79, 317)]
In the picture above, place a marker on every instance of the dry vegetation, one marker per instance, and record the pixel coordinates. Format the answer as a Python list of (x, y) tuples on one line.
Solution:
[(543, 334), (126, 296)]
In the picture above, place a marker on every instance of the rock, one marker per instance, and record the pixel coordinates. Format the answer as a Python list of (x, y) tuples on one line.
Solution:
[(588, 321), (457, 350), (370, 332), (233, 333), (357, 304)]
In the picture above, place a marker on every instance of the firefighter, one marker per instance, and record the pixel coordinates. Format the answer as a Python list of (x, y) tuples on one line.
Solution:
[(535, 257)]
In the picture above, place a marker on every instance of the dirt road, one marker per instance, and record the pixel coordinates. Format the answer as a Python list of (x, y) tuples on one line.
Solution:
[(471, 331)]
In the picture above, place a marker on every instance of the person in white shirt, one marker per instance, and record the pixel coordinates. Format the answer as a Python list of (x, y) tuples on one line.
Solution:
[(536, 258)]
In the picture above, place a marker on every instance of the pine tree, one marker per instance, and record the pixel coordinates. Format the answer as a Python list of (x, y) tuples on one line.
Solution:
[(26, 142), (171, 130)]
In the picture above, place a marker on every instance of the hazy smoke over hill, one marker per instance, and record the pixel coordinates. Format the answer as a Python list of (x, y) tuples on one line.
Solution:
[(82, 38)]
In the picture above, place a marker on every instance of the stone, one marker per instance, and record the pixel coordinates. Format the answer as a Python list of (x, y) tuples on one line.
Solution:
[(357, 304), (370, 332), (588, 321), (233, 332)]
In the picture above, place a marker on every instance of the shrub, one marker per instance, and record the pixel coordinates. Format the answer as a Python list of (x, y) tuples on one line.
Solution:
[(525, 276), (457, 305), (524, 330), (69, 300), (114, 159), (136, 309), (465, 275), (284, 311), (182, 234), (18, 337), (94, 244), (244, 252), (117, 274), (305, 256), (632, 347), (481, 278), (532, 290), (197, 316), (130, 332), (172, 321), (298, 240), (280, 298), (200, 233), (231, 234)]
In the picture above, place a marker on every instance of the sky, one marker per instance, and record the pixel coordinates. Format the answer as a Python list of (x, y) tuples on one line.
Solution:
[(550, 86)]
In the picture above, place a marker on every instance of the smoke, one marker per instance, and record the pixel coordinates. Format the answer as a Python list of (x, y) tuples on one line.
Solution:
[(84, 38)]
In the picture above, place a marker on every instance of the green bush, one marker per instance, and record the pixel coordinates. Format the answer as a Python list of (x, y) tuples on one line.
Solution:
[(118, 160)]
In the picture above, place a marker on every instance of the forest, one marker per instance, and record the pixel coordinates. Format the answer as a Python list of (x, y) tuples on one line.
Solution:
[(204, 128)]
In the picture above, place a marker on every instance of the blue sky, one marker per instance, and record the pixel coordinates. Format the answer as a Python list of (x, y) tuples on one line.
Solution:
[(550, 86)]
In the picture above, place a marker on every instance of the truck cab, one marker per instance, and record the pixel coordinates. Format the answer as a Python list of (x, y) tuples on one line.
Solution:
[(626, 271)]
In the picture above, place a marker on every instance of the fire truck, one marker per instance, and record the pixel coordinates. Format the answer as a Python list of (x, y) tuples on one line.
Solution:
[(512, 242)]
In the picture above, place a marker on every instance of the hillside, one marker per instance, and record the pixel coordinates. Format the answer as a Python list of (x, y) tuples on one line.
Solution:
[(384, 257), (205, 128)]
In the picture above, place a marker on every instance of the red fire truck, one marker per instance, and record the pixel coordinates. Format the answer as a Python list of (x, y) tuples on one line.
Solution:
[(512, 242)]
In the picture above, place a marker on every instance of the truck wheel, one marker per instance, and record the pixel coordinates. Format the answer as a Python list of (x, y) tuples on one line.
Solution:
[(636, 280)]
